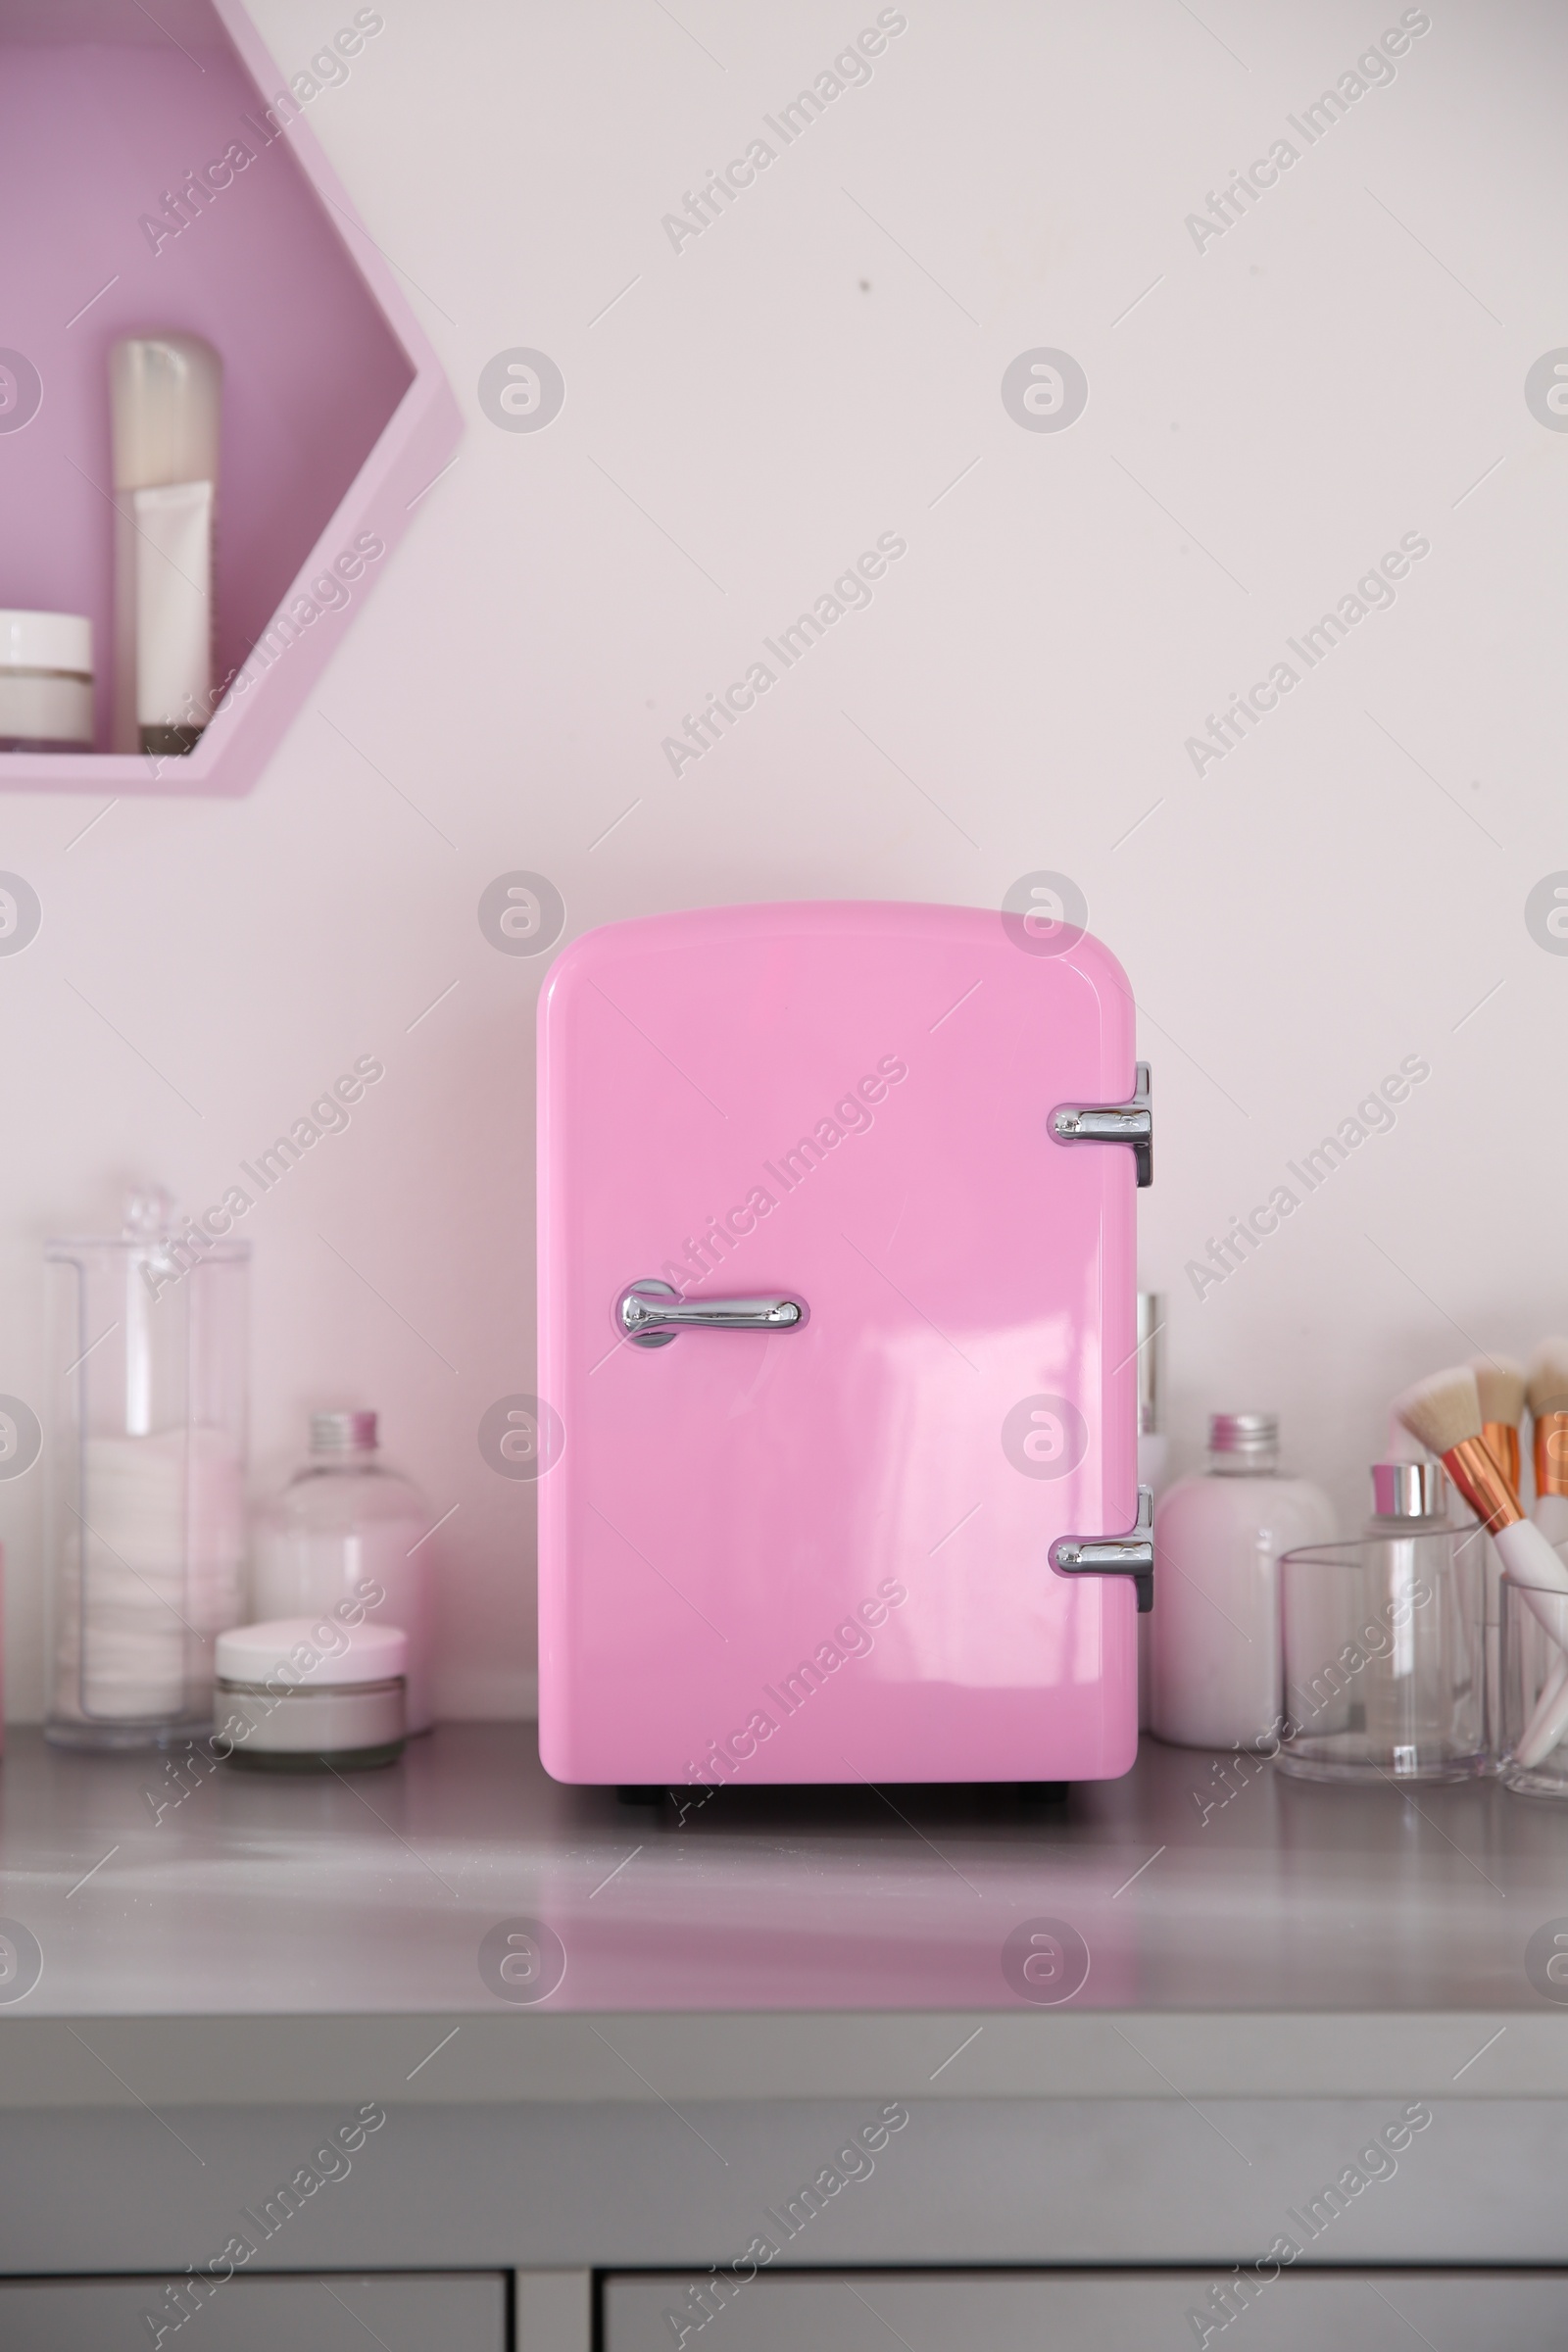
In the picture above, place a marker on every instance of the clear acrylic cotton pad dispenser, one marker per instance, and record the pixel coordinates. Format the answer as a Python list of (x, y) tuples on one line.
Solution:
[(147, 1423)]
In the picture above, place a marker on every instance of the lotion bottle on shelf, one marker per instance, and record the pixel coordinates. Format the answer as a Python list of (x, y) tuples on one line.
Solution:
[(1215, 1642), (166, 398)]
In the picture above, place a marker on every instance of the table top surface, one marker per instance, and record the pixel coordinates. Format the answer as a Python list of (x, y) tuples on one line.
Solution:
[(1195, 1888)]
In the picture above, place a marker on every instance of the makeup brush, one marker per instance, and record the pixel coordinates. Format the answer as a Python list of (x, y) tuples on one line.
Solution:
[(1445, 1413), (1500, 1388), (1548, 1408)]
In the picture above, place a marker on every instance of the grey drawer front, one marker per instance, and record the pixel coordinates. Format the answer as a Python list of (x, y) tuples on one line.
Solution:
[(1301, 2311), (325, 2314)]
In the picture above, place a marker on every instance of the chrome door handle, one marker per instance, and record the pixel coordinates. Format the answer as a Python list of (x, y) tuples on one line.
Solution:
[(651, 1314)]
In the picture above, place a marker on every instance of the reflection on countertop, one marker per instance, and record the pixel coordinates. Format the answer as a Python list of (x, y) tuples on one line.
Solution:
[(1196, 1886)]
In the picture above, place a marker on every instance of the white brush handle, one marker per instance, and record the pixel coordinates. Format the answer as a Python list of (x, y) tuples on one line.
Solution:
[(1527, 1553), (1550, 1515), (1532, 1563), (1556, 1683), (1549, 1722)]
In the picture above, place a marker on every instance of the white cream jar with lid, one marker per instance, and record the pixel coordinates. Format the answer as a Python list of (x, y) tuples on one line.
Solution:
[(311, 1694), (45, 682)]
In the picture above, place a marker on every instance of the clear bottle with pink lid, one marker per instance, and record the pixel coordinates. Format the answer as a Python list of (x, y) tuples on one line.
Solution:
[(346, 1517)]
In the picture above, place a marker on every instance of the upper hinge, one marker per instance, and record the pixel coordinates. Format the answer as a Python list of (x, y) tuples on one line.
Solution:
[(1113, 1123)]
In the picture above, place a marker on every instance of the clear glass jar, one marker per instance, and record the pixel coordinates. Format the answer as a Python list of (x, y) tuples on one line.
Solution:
[(1214, 1641), (344, 1523), (1534, 1690), (1384, 1657), (148, 1335)]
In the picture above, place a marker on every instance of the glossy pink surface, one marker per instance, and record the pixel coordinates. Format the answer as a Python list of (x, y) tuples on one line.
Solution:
[(736, 1508), (335, 410)]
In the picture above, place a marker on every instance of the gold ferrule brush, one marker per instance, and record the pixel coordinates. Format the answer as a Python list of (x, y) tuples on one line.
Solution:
[(1551, 1453), (1501, 1438), (1483, 1482)]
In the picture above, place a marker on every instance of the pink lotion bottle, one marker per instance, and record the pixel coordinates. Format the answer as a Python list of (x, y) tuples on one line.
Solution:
[(1215, 1647)]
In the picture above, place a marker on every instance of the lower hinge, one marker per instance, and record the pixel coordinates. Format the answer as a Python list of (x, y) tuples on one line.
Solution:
[(1132, 1554)]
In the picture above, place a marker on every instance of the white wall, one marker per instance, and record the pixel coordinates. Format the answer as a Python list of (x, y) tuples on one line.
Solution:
[(818, 367)]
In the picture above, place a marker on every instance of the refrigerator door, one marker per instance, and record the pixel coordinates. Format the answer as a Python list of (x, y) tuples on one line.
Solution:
[(817, 1549)]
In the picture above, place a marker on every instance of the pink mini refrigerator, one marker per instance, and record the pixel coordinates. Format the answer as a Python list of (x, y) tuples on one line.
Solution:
[(837, 1306)]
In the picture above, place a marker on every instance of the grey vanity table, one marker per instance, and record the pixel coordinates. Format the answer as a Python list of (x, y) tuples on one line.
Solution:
[(613, 2048)]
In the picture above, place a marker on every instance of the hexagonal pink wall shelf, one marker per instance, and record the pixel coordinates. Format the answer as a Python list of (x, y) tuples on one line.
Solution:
[(336, 415)]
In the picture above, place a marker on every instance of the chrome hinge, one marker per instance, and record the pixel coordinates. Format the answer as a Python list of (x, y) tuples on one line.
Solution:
[(1113, 1123), (1132, 1554)]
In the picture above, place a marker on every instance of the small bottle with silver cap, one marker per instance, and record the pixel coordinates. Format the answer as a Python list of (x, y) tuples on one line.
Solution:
[(1215, 1642), (1385, 1642), (343, 1518), (1408, 1498)]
